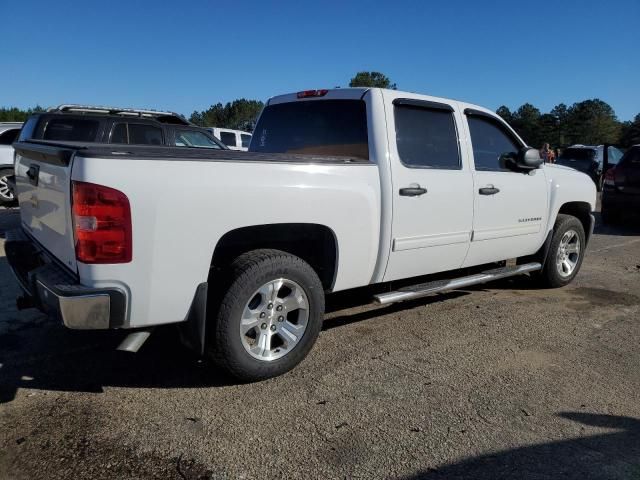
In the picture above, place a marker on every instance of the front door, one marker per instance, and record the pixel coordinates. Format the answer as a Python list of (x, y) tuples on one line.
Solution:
[(432, 188), (510, 206)]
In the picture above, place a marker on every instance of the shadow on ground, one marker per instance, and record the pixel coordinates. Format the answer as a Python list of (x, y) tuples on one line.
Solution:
[(608, 455)]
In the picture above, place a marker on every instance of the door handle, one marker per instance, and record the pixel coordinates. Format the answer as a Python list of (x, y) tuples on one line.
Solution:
[(412, 191), (490, 190)]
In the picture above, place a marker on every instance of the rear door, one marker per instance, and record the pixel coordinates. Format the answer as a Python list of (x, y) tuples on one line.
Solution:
[(43, 187), (432, 187)]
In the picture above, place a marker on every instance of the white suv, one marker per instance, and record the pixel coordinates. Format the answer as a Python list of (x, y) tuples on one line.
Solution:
[(9, 132)]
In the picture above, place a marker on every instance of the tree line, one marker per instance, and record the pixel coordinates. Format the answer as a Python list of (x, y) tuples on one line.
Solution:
[(590, 122)]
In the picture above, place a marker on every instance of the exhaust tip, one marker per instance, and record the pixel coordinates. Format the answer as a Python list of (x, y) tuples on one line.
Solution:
[(134, 341)]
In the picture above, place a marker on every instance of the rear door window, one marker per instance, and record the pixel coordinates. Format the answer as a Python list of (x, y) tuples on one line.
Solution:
[(316, 127), (136, 134), (228, 138), (426, 138), (246, 140), (71, 129)]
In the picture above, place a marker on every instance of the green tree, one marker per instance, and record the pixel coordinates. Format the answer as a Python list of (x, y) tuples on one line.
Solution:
[(240, 114), (561, 113), (630, 133), (14, 114), (505, 113), (592, 122), (526, 121), (372, 79)]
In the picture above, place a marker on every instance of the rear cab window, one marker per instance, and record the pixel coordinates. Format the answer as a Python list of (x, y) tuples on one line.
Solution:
[(315, 127), (28, 129)]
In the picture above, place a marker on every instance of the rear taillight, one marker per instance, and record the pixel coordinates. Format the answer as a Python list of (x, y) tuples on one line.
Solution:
[(312, 93), (102, 224), (610, 177)]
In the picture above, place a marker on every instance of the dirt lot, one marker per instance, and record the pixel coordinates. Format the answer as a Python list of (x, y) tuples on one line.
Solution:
[(504, 381)]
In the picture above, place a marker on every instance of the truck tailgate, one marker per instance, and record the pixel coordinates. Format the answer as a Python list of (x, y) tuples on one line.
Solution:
[(43, 190)]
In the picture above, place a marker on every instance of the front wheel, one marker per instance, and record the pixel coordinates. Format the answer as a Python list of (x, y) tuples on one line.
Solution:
[(6, 197), (269, 317), (566, 252)]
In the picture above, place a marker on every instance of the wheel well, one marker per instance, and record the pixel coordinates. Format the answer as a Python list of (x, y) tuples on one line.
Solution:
[(580, 210), (315, 244)]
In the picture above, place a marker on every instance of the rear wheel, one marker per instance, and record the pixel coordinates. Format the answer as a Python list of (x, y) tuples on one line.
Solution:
[(6, 197), (566, 252), (269, 317)]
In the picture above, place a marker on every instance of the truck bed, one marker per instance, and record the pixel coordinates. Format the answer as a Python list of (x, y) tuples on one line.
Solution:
[(63, 151)]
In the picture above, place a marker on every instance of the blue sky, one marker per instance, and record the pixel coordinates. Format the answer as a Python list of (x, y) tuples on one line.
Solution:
[(186, 55)]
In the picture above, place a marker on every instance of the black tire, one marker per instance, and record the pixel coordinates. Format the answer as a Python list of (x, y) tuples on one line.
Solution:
[(6, 199), (246, 275), (550, 276)]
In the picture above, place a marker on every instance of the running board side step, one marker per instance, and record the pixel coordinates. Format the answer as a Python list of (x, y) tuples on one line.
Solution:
[(424, 289)]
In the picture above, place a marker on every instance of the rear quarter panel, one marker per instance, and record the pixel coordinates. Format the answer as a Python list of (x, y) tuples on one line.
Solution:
[(180, 209)]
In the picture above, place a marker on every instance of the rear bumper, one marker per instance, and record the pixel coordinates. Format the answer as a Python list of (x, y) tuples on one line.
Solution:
[(55, 291)]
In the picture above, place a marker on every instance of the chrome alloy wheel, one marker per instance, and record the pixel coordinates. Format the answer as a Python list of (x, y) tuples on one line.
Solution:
[(5, 193), (568, 253), (274, 319)]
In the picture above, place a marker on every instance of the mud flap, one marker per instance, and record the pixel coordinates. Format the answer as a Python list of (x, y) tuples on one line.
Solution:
[(192, 330)]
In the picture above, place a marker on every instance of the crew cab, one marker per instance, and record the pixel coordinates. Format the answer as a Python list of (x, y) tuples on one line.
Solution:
[(341, 189)]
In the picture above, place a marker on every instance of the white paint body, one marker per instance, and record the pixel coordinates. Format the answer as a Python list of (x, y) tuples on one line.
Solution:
[(380, 235)]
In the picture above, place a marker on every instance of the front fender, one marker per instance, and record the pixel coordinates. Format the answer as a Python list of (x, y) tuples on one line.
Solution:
[(568, 187)]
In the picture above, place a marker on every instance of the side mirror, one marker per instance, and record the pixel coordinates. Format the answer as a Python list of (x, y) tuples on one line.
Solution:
[(528, 158)]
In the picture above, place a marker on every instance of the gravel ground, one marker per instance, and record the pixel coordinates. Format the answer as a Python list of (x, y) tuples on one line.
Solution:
[(500, 381)]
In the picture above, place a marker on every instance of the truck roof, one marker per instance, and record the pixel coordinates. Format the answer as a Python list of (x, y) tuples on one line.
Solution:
[(353, 93)]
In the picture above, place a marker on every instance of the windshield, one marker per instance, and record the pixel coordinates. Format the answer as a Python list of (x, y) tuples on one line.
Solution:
[(582, 155), (324, 127)]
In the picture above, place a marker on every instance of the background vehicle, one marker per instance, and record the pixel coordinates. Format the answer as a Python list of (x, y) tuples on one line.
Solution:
[(590, 160), (342, 189), (234, 139), (621, 188), (9, 132), (80, 123)]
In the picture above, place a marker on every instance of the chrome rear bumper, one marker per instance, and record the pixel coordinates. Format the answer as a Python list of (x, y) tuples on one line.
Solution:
[(52, 289)]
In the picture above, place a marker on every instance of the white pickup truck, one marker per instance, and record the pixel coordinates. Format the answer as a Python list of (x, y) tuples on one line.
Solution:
[(340, 189)]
